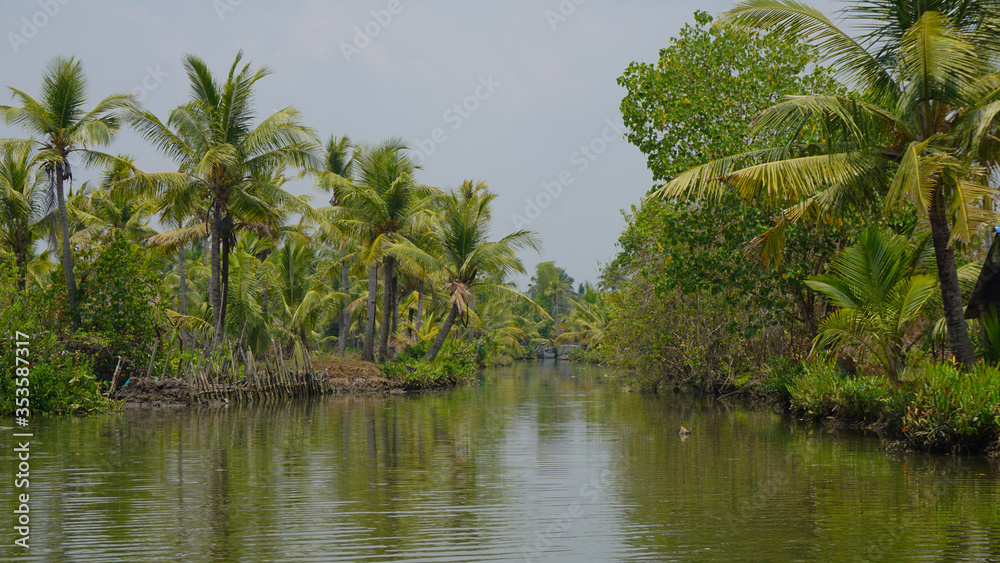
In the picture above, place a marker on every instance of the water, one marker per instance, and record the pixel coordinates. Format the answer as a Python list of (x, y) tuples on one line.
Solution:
[(540, 462)]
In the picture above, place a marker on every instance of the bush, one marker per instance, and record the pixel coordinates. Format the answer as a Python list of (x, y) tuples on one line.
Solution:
[(952, 410), (457, 362), (58, 381), (824, 391), (118, 310)]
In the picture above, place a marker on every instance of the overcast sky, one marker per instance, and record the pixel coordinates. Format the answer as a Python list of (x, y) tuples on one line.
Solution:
[(520, 94)]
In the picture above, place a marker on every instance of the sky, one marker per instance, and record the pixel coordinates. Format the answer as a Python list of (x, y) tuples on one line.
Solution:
[(519, 94)]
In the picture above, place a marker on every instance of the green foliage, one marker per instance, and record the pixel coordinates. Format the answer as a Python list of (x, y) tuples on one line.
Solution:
[(696, 102), (954, 409), (119, 311), (58, 381), (879, 290), (825, 391), (687, 303), (456, 363)]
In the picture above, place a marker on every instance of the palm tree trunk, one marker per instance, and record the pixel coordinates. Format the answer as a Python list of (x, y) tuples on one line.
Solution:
[(224, 262), (22, 267), (383, 338), (395, 306), (183, 295), (442, 334), (368, 350), (951, 291), (214, 287), (67, 257), (420, 304), (345, 319)]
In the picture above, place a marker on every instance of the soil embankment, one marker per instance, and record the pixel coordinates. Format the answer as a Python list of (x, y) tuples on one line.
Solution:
[(338, 377)]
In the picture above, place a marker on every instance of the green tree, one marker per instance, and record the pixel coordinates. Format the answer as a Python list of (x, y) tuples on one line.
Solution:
[(468, 259), (22, 206), (879, 289), (338, 166), (386, 209), (58, 116), (229, 159), (925, 127)]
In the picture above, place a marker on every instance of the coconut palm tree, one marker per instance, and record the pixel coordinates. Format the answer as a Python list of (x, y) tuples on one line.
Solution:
[(22, 205), (59, 119), (386, 209), (924, 127), (338, 167), (879, 289), (304, 297), (219, 148), (468, 260), (98, 213)]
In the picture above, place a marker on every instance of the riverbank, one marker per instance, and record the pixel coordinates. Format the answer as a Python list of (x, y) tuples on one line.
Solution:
[(332, 377)]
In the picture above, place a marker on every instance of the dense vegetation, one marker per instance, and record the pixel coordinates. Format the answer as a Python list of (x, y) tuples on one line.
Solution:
[(159, 273), (820, 217)]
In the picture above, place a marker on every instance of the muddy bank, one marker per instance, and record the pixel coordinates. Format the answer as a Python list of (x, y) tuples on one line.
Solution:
[(339, 377)]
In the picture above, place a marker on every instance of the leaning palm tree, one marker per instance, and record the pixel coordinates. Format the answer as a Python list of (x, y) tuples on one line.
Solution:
[(22, 205), (59, 118), (925, 126), (232, 161), (468, 260)]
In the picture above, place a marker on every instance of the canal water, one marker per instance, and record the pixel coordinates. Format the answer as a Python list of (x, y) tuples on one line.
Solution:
[(538, 462)]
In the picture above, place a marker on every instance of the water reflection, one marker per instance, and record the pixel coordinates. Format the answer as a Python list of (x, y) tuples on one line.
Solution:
[(539, 462)]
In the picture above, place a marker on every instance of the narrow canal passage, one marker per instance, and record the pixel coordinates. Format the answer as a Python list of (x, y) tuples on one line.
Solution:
[(539, 462)]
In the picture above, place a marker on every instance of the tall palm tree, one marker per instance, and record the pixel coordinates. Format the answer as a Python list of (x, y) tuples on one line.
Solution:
[(925, 126), (338, 167), (219, 148), (468, 259), (385, 208), (22, 205), (58, 118)]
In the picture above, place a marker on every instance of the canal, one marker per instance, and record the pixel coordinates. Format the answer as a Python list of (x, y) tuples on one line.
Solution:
[(538, 462)]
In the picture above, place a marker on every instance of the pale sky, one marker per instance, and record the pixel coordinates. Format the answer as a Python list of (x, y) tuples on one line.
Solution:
[(520, 94)]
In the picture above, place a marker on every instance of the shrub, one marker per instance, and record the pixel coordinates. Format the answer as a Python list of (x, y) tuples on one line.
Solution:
[(456, 363), (58, 381), (952, 410), (824, 391)]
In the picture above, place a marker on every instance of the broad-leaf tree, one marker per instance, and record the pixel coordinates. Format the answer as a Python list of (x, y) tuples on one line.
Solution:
[(922, 132)]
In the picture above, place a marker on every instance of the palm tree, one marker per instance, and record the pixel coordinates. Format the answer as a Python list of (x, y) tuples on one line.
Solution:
[(587, 320), (879, 291), (925, 126), (100, 212), (218, 148), (338, 166), (58, 117), (22, 205), (469, 260), (387, 209)]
